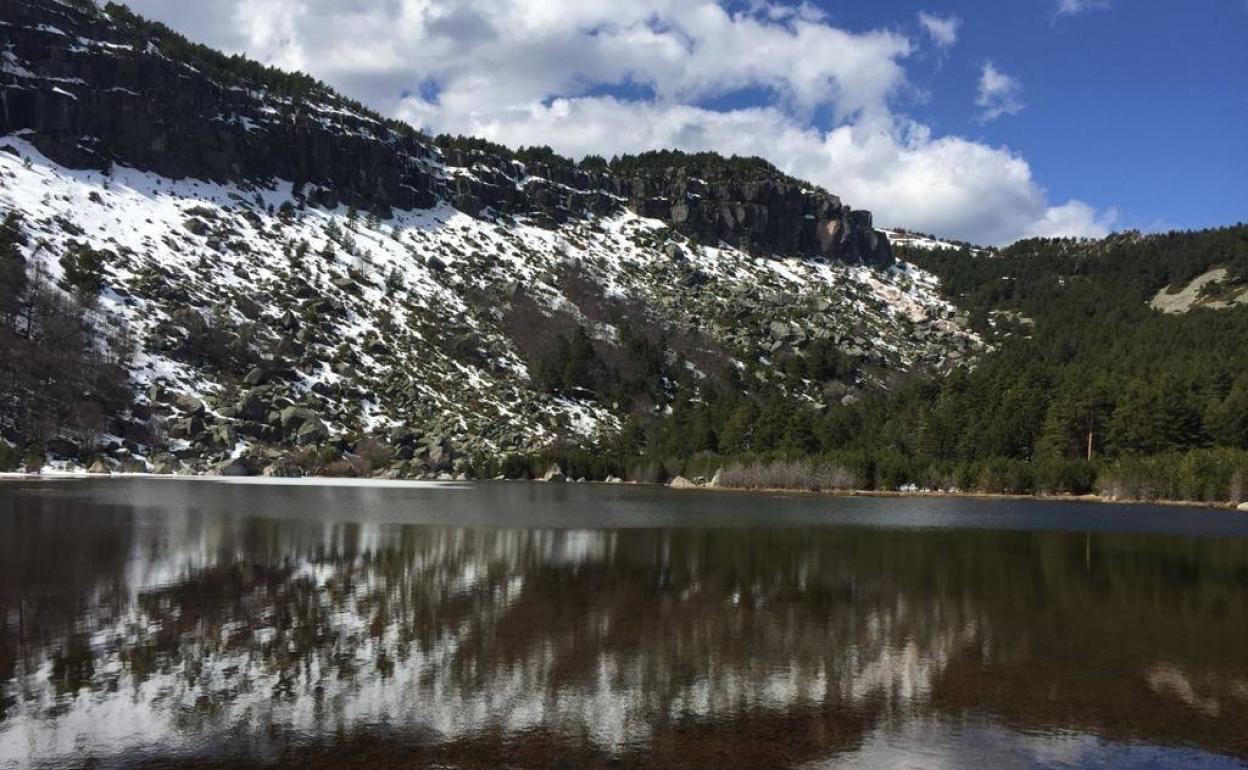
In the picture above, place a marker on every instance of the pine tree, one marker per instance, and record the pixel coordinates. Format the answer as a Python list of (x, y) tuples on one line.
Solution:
[(83, 269)]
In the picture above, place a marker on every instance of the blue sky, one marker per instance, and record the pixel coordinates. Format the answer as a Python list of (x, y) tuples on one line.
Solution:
[(1141, 105), (988, 121)]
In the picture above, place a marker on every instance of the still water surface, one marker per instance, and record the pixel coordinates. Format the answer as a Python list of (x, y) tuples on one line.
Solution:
[(163, 623)]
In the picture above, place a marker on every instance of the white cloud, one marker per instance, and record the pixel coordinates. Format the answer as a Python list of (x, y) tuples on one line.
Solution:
[(999, 94), (1074, 218), (536, 71), (1072, 7), (943, 30)]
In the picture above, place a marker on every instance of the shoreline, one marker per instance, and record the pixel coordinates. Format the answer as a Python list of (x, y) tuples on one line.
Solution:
[(1091, 498), (353, 481)]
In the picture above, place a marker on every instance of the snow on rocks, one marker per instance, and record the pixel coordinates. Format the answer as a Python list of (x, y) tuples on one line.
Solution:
[(248, 292)]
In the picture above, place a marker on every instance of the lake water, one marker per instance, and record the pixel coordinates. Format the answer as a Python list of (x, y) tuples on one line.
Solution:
[(166, 623)]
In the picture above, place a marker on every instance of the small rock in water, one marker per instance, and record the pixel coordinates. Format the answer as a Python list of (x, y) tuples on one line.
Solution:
[(554, 475), (1242, 507), (680, 482)]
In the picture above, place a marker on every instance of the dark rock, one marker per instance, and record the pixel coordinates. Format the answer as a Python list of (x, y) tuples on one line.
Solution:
[(240, 466), (187, 428), (283, 467), (257, 376), (312, 432), (158, 393), (189, 404), (250, 309), (402, 435), (251, 406), (196, 227), (294, 417), (222, 435), (165, 464)]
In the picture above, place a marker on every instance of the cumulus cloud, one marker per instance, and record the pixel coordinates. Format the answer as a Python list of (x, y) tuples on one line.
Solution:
[(1073, 218), (999, 94), (943, 30), (762, 78)]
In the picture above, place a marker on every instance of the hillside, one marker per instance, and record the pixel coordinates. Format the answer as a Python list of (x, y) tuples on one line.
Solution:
[(215, 266), (1085, 386)]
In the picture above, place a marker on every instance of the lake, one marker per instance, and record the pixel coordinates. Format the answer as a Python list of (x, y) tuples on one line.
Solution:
[(158, 623)]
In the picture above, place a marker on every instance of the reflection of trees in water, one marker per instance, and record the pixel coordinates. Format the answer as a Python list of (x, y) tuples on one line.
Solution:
[(608, 635), (626, 641), (1137, 638)]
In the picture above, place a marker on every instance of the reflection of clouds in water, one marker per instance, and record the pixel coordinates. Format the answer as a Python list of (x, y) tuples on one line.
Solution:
[(453, 633), (929, 744)]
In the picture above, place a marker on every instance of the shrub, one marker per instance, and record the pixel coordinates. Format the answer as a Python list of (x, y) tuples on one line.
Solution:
[(1065, 477), (1001, 475), (810, 475), (1205, 475), (373, 454)]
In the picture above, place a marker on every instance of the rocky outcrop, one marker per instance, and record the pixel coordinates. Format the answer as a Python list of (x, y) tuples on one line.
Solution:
[(90, 88), (760, 216)]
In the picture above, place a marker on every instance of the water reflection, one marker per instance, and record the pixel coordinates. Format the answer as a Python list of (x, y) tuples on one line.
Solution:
[(137, 637)]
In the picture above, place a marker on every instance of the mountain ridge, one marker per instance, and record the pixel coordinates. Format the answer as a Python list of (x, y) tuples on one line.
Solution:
[(151, 110)]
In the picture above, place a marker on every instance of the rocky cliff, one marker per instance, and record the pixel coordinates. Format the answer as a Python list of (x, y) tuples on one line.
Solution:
[(97, 87)]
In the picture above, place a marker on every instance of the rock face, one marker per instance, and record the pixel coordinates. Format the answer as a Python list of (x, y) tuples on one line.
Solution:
[(129, 87), (768, 215), (92, 88)]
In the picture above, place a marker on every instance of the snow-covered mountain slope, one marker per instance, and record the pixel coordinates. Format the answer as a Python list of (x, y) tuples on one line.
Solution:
[(421, 327), (300, 277)]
